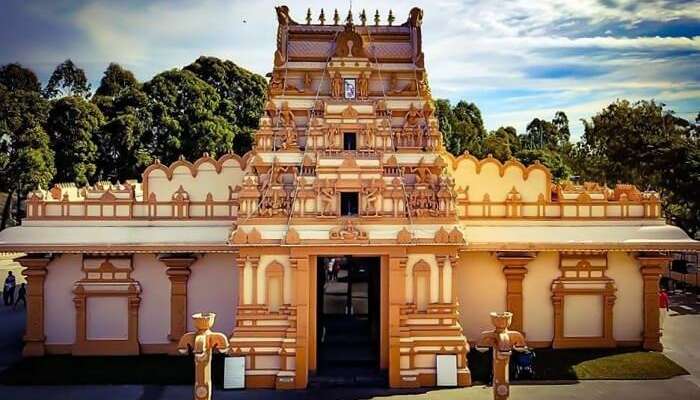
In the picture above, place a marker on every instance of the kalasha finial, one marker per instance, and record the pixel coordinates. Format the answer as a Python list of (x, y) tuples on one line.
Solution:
[(391, 17), (308, 16), (322, 17), (336, 17), (363, 17), (349, 19), (376, 17)]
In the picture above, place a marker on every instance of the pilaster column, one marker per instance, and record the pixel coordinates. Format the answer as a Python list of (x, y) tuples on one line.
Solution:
[(651, 268), (240, 264), (514, 269), (301, 298), (397, 299), (178, 271), (35, 273), (441, 278)]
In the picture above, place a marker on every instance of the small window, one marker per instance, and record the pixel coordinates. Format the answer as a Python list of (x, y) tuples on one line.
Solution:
[(349, 203), (349, 141), (350, 88)]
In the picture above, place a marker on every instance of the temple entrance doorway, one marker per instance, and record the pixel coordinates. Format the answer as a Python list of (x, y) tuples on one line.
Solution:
[(348, 319)]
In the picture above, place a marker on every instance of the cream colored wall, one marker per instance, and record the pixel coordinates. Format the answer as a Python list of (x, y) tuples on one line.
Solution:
[(538, 312), (628, 315), (434, 274), (480, 288), (154, 310), (59, 309), (262, 283), (489, 180), (583, 315), (207, 180), (107, 318), (213, 287)]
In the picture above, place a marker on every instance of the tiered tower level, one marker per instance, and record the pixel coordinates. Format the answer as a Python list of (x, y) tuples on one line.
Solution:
[(348, 160)]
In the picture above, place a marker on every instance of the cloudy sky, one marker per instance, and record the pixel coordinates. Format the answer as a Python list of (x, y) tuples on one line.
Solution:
[(516, 59)]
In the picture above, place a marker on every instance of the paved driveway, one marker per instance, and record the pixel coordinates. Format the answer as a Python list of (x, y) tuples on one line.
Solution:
[(681, 340)]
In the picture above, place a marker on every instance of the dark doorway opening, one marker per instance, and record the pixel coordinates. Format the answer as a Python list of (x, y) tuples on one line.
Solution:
[(348, 320), (349, 204), (349, 141)]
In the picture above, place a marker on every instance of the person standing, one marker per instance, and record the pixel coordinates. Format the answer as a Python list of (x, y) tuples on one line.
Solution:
[(8, 293), (663, 307), (21, 296)]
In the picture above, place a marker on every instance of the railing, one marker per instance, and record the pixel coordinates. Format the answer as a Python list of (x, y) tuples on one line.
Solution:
[(129, 210)]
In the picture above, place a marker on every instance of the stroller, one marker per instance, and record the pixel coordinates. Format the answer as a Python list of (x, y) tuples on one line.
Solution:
[(524, 364)]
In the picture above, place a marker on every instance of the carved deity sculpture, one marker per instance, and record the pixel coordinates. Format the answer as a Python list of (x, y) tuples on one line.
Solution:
[(371, 200), (287, 116), (289, 140), (394, 84), (331, 133), (367, 134), (202, 342), (307, 81), (348, 231), (336, 86), (327, 194), (411, 126), (423, 174), (363, 85), (503, 342)]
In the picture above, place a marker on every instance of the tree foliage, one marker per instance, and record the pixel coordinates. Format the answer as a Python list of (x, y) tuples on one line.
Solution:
[(462, 127), (114, 80), (67, 80), (72, 125), (15, 77)]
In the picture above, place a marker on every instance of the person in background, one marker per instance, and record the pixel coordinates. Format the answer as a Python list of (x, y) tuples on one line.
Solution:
[(8, 291), (663, 307), (21, 295)]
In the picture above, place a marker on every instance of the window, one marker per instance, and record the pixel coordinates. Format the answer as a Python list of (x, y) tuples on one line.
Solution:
[(349, 203), (350, 88), (349, 141)]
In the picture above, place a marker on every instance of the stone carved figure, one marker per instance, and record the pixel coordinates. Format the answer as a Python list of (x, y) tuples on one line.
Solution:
[(371, 199), (423, 174), (363, 85), (411, 126), (327, 194), (287, 116), (368, 134), (202, 343), (348, 231), (331, 133), (289, 140), (307, 81), (503, 342), (336, 86)]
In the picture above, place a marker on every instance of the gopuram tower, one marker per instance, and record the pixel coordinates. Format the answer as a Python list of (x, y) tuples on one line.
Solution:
[(347, 162)]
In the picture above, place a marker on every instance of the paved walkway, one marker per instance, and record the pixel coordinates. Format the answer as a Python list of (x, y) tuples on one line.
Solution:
[(680, 338)]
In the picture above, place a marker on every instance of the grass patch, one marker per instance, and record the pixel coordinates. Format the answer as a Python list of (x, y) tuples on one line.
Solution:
[(588, 364)]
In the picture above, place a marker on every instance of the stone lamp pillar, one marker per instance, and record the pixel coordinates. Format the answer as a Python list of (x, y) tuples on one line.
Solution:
[(503, 342), (202, 342)]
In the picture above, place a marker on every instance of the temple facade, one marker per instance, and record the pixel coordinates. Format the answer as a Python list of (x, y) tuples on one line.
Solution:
[(347, 233)]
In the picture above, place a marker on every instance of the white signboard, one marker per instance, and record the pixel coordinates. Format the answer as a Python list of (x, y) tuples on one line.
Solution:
[(447, 370), (234, 372)]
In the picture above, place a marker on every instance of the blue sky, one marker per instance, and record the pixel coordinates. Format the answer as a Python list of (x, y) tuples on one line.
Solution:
[(516, 59)]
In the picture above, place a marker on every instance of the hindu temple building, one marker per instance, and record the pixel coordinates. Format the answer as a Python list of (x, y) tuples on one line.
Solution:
[(347, 233)]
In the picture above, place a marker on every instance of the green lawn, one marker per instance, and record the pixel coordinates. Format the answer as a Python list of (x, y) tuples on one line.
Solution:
[(550, 365), (589, 364)]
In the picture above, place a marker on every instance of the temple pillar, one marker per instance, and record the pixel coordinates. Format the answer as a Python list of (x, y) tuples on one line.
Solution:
[(514, 269), (397, 299), (35, 272), (651, 268), (178, 271), (301, 298)]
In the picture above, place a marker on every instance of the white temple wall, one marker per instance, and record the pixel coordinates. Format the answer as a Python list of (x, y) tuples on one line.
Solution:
[(154, 310), (628, 311), (59, 309), (480, 288), (538, 312), (213, 287)]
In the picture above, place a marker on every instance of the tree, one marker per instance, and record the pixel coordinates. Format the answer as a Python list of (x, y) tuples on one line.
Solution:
[(72, 126), (183, 108), (551, 159), (497, 145), (114, 80), (16, 77), (124, 141), (644, 144), (243, 93), (67, 80), (462, 127), (542, 134), (26, 157)]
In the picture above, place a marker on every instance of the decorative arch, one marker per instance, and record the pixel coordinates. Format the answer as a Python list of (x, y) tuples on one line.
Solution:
[(421, 285), (274, 286)]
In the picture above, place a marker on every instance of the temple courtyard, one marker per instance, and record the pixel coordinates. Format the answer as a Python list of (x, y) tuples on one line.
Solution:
[(680, 340)]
